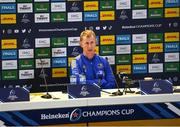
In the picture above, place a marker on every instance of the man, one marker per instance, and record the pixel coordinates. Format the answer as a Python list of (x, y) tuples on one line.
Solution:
[(96, 69)]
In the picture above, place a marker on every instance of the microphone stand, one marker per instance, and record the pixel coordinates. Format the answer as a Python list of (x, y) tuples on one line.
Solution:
[(118, 92), (97, 85), (47, 95), (127, 86)]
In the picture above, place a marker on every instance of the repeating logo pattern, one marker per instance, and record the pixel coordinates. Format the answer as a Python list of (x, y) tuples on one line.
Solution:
[(139, 36)]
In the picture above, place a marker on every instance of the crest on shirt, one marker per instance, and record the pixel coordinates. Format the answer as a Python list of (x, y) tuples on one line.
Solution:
[(100, 66)]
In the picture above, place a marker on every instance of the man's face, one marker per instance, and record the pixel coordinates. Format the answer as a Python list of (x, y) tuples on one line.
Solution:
[(88, 45)]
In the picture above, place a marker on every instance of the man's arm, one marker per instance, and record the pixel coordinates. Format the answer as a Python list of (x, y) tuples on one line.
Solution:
[(109, 80)]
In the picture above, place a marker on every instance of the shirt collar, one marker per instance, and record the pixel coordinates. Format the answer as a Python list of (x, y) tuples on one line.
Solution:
[(88, 58)]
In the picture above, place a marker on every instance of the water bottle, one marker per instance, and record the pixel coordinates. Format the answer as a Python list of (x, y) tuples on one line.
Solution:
[(74, 68), (74, 73), (73, 79), (82, 79)]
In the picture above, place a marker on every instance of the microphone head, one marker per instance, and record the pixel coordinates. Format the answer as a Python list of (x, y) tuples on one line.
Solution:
[(100, 74), (119, 75)]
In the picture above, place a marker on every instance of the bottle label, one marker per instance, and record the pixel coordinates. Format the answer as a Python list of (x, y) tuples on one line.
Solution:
[(82, 79), (73, 64), (73, 79), (74, 67)]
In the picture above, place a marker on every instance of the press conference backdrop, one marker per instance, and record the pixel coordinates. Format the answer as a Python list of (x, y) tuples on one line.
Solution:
[(139, 37)]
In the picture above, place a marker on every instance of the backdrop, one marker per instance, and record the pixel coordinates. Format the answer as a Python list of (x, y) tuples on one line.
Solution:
[(139, 37)]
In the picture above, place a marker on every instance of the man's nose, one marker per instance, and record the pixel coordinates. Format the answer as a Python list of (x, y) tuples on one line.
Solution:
[(89, 45)]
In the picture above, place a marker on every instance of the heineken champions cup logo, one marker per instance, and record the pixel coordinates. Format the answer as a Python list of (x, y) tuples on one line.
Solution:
[(12, 95)]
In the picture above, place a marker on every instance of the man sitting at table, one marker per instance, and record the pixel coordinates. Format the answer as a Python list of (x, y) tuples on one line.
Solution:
[(96, 69)]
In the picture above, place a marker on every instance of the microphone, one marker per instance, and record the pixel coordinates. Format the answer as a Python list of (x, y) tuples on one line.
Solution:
[(118, 92), (100, 75), (47, 95)]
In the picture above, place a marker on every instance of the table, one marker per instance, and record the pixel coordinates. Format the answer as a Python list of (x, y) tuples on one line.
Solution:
[(61, 110)]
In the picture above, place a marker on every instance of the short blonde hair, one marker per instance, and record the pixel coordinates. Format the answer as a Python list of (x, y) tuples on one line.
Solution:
[(87, 34)]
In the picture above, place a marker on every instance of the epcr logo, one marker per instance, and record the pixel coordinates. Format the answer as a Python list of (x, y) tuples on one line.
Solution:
[(84, 88), (75, 115), (2, 124)]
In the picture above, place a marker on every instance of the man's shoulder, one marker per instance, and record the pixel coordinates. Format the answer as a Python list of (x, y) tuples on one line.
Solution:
[(78, 57), (102, 59)]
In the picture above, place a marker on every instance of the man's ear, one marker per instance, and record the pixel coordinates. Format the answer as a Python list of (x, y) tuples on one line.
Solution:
[(80, 43)]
